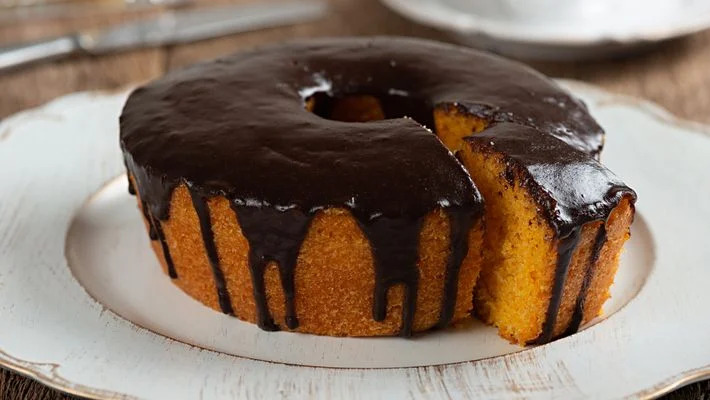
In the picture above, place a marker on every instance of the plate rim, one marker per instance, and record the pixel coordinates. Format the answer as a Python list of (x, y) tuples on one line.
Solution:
[(443, 16), (47, 372)]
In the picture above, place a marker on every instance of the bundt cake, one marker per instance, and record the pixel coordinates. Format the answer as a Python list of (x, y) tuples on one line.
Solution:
[(331, 186)]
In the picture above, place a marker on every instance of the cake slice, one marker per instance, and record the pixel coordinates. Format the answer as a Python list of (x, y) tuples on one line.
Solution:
[(556, 222)]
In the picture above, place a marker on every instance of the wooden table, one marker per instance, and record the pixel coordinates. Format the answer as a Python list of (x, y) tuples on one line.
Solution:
[(675, 75)]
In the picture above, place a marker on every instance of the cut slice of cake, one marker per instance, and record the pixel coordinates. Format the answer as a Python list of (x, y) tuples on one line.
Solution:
[(556, 222)]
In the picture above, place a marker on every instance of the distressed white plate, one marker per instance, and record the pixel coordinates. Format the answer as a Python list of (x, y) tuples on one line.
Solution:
[(54, 158), (559, 29), (109, 254)]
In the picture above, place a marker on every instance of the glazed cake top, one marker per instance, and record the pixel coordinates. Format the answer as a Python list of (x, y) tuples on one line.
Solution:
[(238, 127), (570, 187)]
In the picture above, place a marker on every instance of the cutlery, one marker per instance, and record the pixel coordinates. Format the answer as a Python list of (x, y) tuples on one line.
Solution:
[(18, 11), (172, 27)]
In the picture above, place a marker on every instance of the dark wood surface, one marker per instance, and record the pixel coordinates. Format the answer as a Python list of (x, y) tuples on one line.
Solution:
[(675, 74)]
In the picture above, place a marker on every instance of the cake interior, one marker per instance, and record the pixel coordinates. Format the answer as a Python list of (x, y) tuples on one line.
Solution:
[(521, 250)]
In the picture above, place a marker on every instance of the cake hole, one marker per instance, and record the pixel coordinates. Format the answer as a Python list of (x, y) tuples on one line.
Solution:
[(369, 107)]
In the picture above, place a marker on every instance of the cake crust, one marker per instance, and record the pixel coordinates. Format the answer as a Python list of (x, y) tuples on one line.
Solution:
[(333, 301)]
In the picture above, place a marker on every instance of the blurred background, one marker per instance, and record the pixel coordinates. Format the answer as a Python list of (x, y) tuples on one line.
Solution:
[(658, 50), (671, 71)]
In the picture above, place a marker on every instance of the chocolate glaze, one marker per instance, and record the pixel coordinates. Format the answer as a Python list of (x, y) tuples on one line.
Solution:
[(152, 231), (570, 187), (394, 243), (461, 223), (274, 236), (203, 215), (565, 249), (578, 314), (158, 229), (237, 127), (159, 191), (131, 188)]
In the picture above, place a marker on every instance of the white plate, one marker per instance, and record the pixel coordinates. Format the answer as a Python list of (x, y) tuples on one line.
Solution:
[(108, 253), (52, 159), (559, 29)]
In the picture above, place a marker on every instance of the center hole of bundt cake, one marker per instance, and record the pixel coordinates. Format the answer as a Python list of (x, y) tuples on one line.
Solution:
[(370, 107)]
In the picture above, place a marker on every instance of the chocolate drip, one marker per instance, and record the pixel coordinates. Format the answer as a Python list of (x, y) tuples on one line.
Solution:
[(394, 243), (155, 193), (152, 231), (157, 229), (461, 221), (578, 314), (155, 232), (274, 236), (565, 250), (131, 189), (203, 214)]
